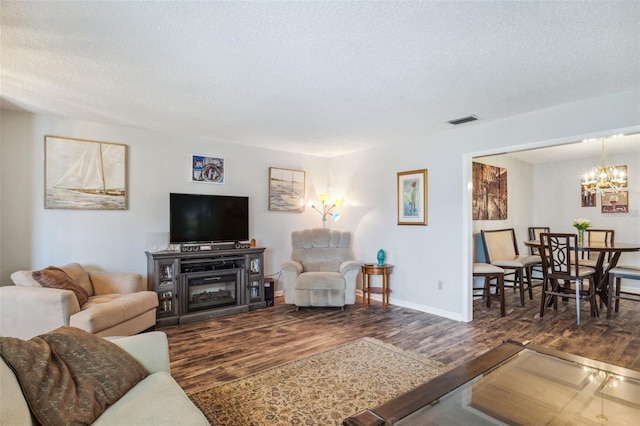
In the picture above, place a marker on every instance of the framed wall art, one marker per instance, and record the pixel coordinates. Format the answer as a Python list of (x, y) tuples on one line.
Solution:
[(207, 169), (623, 172), (489, 192), (412, 197), (588, 198), (614, 202), (84, 174), (286, 190)]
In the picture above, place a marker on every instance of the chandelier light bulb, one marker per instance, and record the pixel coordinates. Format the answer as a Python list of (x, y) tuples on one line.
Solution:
[(603, 178)]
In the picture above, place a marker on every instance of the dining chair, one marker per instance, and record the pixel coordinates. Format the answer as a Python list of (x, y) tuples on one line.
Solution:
[(501, 249), (488, 273), (615, 293), (564, 270), (534, 235), (596, 236)]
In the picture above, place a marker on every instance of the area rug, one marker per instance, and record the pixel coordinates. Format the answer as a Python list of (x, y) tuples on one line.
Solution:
[(320, 389)]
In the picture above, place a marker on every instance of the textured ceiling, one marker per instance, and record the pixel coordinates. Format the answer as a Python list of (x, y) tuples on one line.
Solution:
[(321, 78)]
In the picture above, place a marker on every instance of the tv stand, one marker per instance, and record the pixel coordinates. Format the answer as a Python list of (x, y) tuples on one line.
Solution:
[(198, 285)]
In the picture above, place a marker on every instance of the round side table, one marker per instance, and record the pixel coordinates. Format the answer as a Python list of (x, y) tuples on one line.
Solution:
[(369, 269)]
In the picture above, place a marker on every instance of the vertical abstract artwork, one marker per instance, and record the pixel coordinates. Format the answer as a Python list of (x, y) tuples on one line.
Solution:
[(489, 192), (412, 197), (588, 199)]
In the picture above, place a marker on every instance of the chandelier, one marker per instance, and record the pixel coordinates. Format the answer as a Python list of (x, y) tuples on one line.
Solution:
[(326, 209), (603, 178)]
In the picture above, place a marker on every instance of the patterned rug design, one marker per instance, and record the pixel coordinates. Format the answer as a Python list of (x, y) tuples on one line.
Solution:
[(320, 389)]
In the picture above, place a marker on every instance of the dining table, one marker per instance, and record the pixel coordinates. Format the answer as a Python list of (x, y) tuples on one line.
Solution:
[(611, 251)]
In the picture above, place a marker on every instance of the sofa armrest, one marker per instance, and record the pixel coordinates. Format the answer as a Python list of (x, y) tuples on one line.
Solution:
[(349, 265), (26, 312), (292, 266), (350, 270), (290, 271), (150, 349), (115, 282)]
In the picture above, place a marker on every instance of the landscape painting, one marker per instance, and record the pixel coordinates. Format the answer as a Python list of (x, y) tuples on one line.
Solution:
[(489, 192), (286, 190), (84, 174)]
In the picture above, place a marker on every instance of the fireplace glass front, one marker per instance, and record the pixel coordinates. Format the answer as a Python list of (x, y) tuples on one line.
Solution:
[(211, 291)]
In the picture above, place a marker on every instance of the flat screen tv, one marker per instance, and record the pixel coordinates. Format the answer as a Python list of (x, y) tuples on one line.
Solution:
[(198, 218)]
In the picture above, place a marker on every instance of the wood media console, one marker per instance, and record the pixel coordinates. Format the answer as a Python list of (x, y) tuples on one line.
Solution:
[(194, 286)]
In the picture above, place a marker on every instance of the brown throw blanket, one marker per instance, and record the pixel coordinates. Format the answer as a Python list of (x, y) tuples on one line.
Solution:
[(69, 376)]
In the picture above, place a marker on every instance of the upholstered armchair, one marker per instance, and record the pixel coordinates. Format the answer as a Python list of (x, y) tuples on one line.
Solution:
[(322, 270)]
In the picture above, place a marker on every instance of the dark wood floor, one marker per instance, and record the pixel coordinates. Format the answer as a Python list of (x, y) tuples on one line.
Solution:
[(211, 352)]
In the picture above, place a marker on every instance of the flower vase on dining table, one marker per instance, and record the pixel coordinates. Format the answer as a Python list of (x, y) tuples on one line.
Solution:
[(581, 225)]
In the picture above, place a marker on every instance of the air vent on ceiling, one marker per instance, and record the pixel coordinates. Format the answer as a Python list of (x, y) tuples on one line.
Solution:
[(463, 120)]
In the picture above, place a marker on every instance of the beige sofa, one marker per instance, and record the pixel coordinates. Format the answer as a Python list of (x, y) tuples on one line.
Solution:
[(156, 400), (322, 270), (118, 305)]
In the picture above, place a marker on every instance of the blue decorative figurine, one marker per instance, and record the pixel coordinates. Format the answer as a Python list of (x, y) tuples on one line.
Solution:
[(380, 257)]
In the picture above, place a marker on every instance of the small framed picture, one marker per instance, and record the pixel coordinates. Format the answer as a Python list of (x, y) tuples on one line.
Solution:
[(207, 169), (412, 197), (588, 198), (615, 202)]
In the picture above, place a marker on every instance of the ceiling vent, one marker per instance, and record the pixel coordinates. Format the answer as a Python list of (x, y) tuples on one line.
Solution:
[(463, 120)]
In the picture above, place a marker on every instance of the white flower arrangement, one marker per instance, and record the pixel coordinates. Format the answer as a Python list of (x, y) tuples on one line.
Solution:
[(581, 224)]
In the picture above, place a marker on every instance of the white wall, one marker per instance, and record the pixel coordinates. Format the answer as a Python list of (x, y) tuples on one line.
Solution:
[(33, 237), (519, 201), (557, 200), (442, 251), (549, 195)]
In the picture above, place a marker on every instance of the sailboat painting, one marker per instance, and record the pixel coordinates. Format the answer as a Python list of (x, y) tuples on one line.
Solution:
[(84, 174), (286, 190)]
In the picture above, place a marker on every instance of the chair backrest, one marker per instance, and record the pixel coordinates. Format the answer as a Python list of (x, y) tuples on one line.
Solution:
[(534, 234), (499, 244), (599, 236), (561, 254), (321, 249)]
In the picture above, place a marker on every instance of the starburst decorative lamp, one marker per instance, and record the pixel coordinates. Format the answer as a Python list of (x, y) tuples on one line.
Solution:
[(327, 210), (603, 178)]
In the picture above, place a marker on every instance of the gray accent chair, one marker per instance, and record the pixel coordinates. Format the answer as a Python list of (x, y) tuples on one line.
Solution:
[(322, 270)]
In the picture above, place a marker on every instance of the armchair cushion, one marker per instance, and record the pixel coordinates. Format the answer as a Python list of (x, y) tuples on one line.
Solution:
[(115, 282), (63, 374), (53, 277), (102, 311), (329, 280)]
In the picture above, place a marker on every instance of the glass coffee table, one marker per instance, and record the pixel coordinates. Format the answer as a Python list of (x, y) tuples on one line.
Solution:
[(517, 383)]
